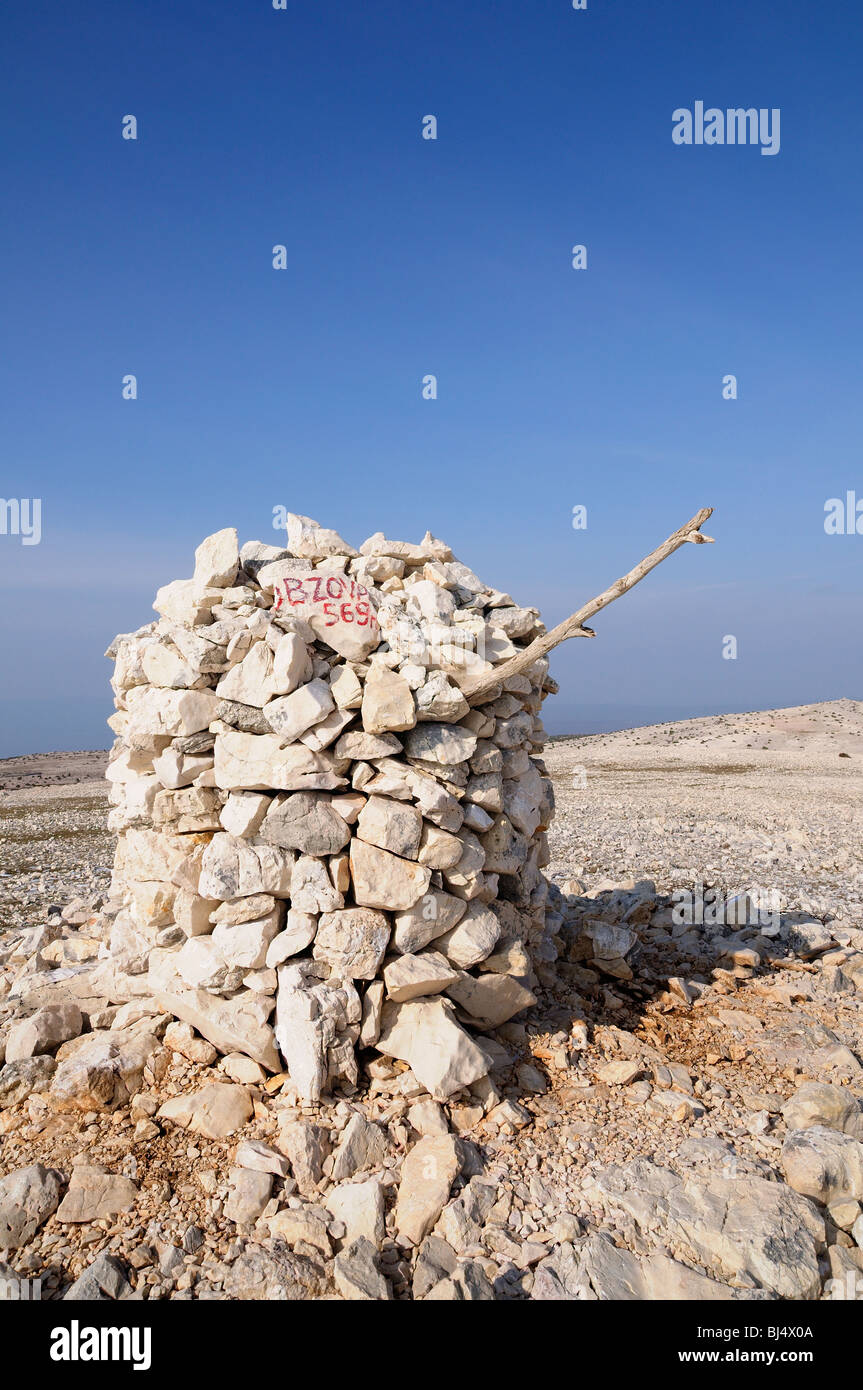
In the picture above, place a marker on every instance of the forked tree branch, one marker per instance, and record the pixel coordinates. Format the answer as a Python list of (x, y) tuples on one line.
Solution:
[(474, 688)]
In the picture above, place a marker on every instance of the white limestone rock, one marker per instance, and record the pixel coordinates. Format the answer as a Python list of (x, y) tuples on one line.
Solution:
[(474, 938), (308, 540), (430, 601), (388, 702), (175, 770), (383, 880), (446, 744), (424, 1033), (339, 611), (428, 1173), (235, 868), (201, 964), (43, 1031), (164, 666), (346, 688), (313, 1023), (259, 762), (183, 601), (243, 813), (217, 560), (305, 821), (490, 999), (391, 825), (465, 878), (155, 713), (356, 745), (437, 699), (298, 934), (182, 1038), (373, 1002), (251, 681), (434, 914), (216, 1111), (411, 976), (244, 945), (359, 1206), (291, 715), (233, 911), (324, 733), (312, 888), (399, 550), (439, 849), (292, 664), (352, 942), (150, 855), (232, 1025)]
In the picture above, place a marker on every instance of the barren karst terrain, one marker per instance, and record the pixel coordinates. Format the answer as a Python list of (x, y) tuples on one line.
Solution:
[(685, 1125)]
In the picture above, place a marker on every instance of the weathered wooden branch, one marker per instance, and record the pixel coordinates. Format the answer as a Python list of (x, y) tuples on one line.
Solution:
[(475, 688)]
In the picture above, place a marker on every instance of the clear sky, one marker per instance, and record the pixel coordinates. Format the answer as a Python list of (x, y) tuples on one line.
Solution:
[(556, 387)]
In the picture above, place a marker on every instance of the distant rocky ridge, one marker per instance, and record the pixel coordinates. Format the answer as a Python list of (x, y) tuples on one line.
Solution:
[(833, 727), (51, 769)]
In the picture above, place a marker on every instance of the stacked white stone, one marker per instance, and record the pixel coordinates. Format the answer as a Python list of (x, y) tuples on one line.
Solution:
[(322, 847)]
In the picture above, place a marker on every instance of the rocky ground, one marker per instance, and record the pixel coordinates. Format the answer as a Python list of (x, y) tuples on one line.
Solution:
[(54, 847), (678, 1117)]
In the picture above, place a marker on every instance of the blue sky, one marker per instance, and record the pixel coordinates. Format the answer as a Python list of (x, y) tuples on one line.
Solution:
[(557, 387)]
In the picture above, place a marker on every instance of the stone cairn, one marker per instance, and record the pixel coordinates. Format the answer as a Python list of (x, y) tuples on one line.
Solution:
[(331, 807)]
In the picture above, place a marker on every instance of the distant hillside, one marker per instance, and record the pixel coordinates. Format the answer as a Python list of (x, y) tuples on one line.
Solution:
[(51, 769), (832, 727)]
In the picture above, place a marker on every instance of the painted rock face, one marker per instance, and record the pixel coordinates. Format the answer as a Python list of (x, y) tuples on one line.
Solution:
[(339, 611)]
